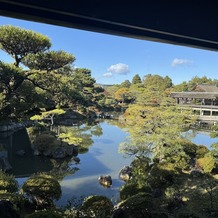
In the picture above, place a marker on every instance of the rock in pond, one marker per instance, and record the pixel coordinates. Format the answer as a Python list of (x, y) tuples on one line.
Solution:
[(105, 180), (125, 173)]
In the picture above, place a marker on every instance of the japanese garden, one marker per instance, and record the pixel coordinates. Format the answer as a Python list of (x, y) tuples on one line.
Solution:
[(70, 147)]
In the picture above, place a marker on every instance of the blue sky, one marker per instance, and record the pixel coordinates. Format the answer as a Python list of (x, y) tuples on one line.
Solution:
[(114, 59)]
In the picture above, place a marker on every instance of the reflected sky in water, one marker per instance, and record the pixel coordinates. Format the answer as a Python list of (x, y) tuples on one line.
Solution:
[(102, 158), (203, 138)]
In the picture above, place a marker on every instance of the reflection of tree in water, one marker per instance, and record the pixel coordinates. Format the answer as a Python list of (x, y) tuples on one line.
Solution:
[(96, 130), (81, 135), (62, 168), (117, 123)]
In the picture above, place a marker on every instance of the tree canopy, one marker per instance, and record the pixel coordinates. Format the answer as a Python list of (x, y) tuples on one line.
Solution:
[(136, 79), (19, 42), (42, 188), (39, 77)]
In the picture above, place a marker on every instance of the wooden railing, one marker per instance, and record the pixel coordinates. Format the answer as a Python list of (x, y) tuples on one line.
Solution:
[(211, 108)]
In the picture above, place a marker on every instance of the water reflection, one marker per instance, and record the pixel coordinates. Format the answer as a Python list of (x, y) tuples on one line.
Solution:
[(20, 155), (17, 150), (203, 138), (101, 157)]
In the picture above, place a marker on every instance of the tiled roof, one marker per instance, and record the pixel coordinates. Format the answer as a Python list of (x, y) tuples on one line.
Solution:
[(205, 88), (199, 95), (203, 91)]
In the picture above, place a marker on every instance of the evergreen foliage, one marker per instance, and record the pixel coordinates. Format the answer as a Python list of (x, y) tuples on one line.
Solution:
[(8, 183), (42, 189), (41, 83), (46, 78), (136, 79)]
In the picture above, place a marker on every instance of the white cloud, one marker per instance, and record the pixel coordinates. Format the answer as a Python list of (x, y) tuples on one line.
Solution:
[(109, 74), (177, 61), (120, 68)]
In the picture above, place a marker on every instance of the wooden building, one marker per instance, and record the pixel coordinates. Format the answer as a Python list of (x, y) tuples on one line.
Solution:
[(200, 95), (203, 100)]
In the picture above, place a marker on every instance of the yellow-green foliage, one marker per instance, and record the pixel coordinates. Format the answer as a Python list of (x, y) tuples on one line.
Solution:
[(53, 112), (207, 163), (34, 131), (48, 114), (2, 100), (70, 138), (8, 182), (168, 166), (42, 186), (36, 117)]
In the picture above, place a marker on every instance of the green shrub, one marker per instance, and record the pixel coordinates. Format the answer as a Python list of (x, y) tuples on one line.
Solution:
[(206, 163), (140, 170), (45, 141), (44, 214), (42, 188), (8, 182), (131, 189), (201, 151), (189, 148), (34, 131), (162, 175), (97, 206), (18, 200), (139, 205)]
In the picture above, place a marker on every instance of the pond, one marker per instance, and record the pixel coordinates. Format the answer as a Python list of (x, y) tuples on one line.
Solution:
[(102, 158), (201, 138), (81, 180)]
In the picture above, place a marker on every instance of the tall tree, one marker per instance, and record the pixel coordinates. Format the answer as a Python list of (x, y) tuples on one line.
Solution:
[(182, 87), (41, 67), (84, 83), (136, 79), (18, 43), (199, 80), (122, 95), (157, 82), (125, 84), (155, 130)]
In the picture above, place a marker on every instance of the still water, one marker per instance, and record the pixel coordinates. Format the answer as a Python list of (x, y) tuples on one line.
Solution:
[(102, 158), (203, 138)]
